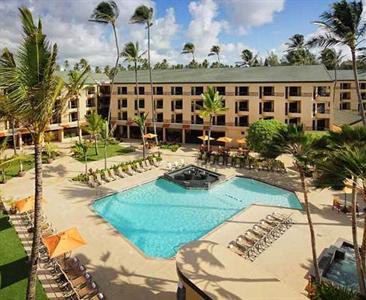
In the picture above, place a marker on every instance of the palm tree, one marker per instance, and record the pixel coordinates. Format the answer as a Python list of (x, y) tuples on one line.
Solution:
[(107, 12), (332, 59), (298, 52), (93, 126), (293, 140), (297, 42), (140, 121), (33, 91), (66, 65), (189, 48), (132, 54), (105, 136), (344, 25), (215, 50), (80, 149), (144, 15), (248, 59), (213, 104), (271, 60), (97, 69), (75, 84), (346, 165)]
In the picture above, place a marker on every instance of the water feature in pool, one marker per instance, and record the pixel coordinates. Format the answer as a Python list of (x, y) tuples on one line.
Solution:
[(160, 216)]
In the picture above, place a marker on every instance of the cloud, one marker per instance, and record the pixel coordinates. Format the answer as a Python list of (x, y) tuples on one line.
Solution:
[(244, 15)]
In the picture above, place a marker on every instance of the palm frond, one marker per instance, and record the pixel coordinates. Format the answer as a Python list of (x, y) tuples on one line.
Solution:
[(105, 12)]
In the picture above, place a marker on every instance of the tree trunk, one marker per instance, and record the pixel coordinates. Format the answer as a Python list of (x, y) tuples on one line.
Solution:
[(360, 102), (311, 227), (78, 121), (335, 83), (86, 163), (363, 246), (105, 155), (143, 144), (137, 88), (14, 136), (209, 135), (96, 145), (114, 72), (360, 271), (151, 85), (32, 279)]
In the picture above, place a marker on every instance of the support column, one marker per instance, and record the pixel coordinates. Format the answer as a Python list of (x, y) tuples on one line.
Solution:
[(183, 136), (20, 141), (60, 135), (128, 131), (164, 134)]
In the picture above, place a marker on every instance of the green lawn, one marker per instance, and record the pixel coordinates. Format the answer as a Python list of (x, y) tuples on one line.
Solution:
[(13, 266), (12, 169), (112, 150)]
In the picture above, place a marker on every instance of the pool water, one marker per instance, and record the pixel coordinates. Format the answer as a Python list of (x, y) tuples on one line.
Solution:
[(160, 216)]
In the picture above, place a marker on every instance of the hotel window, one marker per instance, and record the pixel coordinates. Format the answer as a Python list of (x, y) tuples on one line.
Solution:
[(363, 96), (196, 90), (241, 121), (268, 106), (73, 117), (141, 104), (241, 91), (141, 90), (90, 103), (158, 90), (294, 107), (363, 85), (220, 120), (91, 90), (159, 104), (73, 104), (220, 89), (294, 91), (177, 118), (159, 117), (106, 90), (323, 91), (345, 106), (196, 105), (241, 106), (268, 91), (176, 104), (346, 96), (345, 85), (122, 115), (177, 90), (122, 90), (196, 119), (122, 103)]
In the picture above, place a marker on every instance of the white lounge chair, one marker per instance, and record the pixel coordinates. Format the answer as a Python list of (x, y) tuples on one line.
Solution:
[(155, 162), (130, 171), (139, 168), (92, 182), (147, 165), (99, 179), (169, 166)]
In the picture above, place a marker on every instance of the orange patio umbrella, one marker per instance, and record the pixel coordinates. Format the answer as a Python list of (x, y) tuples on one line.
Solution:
[(63, 242), (335, 128), (224, 139), (242, 140), (150, 135), (26, 204), (205, 138)]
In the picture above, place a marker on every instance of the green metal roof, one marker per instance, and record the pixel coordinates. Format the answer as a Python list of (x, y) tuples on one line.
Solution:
[(93, 78), (347, 75), (310, 73)]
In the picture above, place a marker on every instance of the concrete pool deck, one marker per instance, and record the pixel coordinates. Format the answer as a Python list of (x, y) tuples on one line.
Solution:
[(121, 272)]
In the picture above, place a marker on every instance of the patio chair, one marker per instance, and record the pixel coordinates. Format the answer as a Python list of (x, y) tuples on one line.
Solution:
[(176, 165), (139, 168), (98, 296), (146, 165), (91, 182), (337, 204), (48, 232), (238, 250), (99, 179), (156, 162), (88, 291), (130, 171), (81, 281), (250, 250), (110, 174), (169, 166), (119, 173)]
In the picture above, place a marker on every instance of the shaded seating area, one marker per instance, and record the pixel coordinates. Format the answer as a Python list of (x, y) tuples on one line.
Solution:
[(256, 239)]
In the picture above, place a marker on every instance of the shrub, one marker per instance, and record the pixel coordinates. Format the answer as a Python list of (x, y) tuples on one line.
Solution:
[(261, 133), (171, 147)]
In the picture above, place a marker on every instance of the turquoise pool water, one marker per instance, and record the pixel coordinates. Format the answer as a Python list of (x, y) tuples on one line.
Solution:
[(160, 216)]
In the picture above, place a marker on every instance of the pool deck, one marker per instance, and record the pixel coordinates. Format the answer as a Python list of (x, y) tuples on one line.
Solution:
[(123, 272)]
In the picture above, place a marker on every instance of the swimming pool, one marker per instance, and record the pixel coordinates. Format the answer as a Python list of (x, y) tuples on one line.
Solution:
[(160, 216)]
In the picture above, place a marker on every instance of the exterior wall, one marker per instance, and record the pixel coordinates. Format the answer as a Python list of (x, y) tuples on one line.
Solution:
[(341, 92), (312, 107)]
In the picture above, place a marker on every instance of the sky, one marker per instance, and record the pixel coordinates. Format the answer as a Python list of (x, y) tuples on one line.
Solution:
[(259, 25)]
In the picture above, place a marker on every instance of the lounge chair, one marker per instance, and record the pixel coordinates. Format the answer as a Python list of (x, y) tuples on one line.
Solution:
[(130, 171), (238, 250), (182, 162), (169, 166), (110, 175), (81, 281), (147, 165), (156, 162), (139, 168), (91, 182), (88, 291), (98, 296), (119, 173), (98, 179)]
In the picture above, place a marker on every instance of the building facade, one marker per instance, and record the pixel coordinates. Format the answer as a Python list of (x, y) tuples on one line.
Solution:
[(291, 94)]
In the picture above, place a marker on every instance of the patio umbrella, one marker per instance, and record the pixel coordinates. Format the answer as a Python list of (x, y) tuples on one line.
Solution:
[(205, 138), (150, 135), (224, 139), (335, 128), (242, 140), (346, 190), (63, 242), (26, 204)]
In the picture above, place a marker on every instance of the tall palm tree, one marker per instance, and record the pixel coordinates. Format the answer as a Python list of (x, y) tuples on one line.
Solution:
[(33, 91), (75, 84), (347, 166), (189, 48), (332, 59), (132, 54), (80, 149), (107, 12), (105, 135), (94, 123), (297, 42), (294, 141), (343, 25), (298, 52), (215, 50), (144, 15), (213, 104), (140, 121), (248, 59)]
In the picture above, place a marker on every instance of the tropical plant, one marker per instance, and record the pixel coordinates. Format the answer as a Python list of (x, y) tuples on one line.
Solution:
[(105, 135), (294, 141), (271, 60), (144, 15), (107, 12), (298, 52), (140, 121), (80, 150), (215, 50), (248, 59), (33, 90), (343, 25), (213, 104), (189, 48), (261, 134), (75, 84), (94, 123), (66, 65), (132, 54), (51, 151), (327, 291), (97, 70), (3, 159)]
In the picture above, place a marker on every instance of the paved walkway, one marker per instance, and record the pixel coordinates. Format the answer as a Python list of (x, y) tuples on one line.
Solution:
[(122, 272)]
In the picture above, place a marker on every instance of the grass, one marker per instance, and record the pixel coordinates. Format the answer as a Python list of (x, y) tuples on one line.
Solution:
[(12, 169), (13, 266), (171, 147), (112, 150)]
